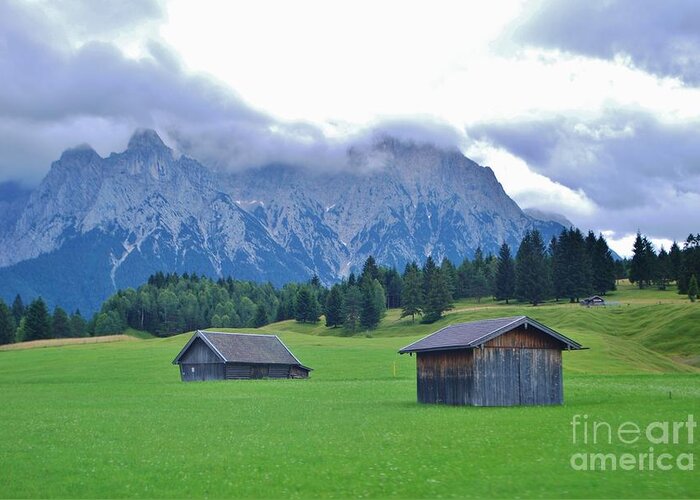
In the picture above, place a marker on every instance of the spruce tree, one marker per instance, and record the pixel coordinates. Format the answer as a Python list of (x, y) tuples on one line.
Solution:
[(334, 307), (18, 309), (579, 265), (602, 267), (370, 271), (260, 318), (307, 309), (60, 324), (37, 323), (531, 273), (7, 324), (369, 313), (78, 324), (674, 257), (436, 294), (663, 269), (379, 298), (464, 279), (642, 267), (394, 287), (412, 294), (450, 274), (505, 274), (479, 286), (352, 307), (693, 288)]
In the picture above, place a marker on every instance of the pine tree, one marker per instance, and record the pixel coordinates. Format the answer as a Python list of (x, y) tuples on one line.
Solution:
[(505, 274), (479, 284), (450, 274), (412, 295), (7, 325), (394, 287), (579, 264), (436, 295), (379, 298), (643, 260), (674, 257), (370, 271), (602, 267), (307, 309), (78, 324), (302, 304), (334, 307), (693, 288), (352, 307), (60, 324), (369, 313), (18, 309), (315, 282), (690, 262), (531, 273), (37, 323), (464, 279), (663, 269), (260, 318)]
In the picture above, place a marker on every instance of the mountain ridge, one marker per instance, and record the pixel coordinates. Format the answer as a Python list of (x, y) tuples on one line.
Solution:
[(146, 209)]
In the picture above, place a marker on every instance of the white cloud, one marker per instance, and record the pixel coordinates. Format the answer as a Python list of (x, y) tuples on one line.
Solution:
[(313, 73), (530, 189)]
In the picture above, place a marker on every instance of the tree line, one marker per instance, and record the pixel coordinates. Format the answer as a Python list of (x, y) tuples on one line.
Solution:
[(682, 265), (569, 267)]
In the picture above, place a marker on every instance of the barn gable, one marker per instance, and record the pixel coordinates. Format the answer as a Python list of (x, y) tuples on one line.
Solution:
[(199, 351)]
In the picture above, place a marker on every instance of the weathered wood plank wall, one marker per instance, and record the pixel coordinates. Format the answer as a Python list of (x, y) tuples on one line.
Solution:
[(492, 376)]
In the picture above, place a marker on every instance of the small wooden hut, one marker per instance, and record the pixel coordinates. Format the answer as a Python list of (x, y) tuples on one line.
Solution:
[(227, 356), (594, 301), (494, 362)]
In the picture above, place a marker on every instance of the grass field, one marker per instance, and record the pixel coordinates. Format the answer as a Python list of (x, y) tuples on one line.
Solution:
[(113, 419)]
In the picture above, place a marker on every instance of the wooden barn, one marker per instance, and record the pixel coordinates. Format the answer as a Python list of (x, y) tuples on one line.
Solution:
[(594, 301), (228, 356), (494, 362)]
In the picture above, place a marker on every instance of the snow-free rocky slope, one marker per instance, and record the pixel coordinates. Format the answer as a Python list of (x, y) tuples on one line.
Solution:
[(98, 224)]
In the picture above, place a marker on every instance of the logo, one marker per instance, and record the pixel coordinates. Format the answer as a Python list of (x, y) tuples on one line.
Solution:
[(672, 441)]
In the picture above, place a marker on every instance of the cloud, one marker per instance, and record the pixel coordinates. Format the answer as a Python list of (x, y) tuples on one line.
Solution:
[(638, 171), (659, 37), (54, 95)]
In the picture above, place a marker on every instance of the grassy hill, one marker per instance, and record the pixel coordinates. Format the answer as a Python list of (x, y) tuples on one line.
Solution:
[(113, 419)]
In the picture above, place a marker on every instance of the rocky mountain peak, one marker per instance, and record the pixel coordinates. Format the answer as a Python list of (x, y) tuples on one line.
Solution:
[(146, 139), (83, 153)]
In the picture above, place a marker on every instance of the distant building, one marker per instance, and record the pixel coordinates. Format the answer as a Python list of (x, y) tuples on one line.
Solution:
[(595, 300), (494, 362), (227, 356)]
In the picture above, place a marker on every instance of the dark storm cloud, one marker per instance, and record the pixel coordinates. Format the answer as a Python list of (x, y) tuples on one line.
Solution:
[(628, 162), (661, 37)]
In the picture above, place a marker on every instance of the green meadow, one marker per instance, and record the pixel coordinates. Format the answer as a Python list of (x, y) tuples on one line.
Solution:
[(114, 420)]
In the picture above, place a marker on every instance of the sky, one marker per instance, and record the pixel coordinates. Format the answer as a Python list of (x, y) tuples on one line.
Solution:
[(587, 109)]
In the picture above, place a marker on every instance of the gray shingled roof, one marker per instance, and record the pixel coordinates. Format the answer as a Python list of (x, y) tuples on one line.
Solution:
[(245, 348), (468, 335)]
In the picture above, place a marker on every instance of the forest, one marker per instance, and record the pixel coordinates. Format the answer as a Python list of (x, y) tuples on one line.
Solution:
[(569, 267)]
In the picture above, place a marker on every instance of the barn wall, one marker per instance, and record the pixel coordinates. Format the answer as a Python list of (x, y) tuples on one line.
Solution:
[(512, 376), (191, 372), (445, 376), (493, 376)]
